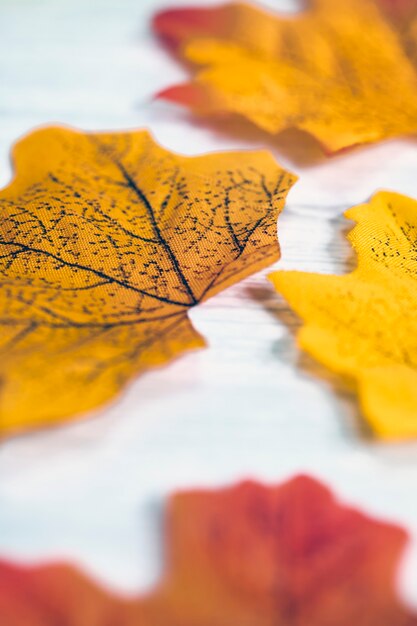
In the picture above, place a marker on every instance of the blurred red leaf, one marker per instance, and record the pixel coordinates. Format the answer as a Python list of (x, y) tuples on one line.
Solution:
[(248, 555), (399, 8)]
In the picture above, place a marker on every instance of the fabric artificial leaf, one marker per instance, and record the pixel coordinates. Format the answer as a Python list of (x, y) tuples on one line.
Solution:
[(246, 555), (338, 70), (106, 242), (362, 324)]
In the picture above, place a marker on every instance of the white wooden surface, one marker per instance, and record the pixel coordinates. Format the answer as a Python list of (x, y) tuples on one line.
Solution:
[(250, 405)]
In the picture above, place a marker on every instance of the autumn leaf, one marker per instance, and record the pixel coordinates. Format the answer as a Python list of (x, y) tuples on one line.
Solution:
[(107, 241), (362, 325), (245, 555), (337, 70)]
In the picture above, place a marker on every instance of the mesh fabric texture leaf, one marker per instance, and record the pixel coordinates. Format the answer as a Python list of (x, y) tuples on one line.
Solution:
[(362, 324), (106, 242)]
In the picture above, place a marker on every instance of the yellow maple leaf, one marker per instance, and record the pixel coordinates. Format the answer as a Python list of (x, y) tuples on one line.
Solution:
[(363, 324), (106, 242), (337, 70)]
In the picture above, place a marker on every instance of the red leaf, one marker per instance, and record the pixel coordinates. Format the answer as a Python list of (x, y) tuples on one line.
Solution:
[(243, 556), (399, 8), (176, 25)]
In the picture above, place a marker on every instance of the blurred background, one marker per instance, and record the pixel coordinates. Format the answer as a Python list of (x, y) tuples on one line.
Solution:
[(251, 405)]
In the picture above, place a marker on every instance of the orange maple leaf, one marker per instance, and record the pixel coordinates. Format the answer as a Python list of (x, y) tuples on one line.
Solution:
[(107, 241), (337, 71), (249, 554)]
